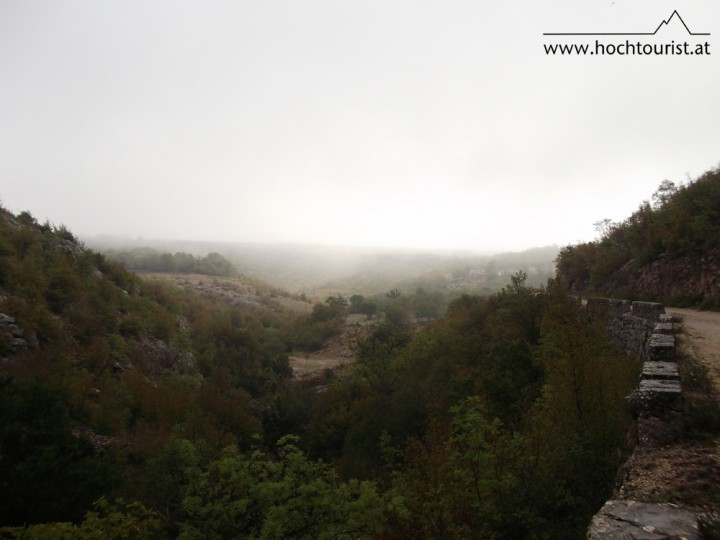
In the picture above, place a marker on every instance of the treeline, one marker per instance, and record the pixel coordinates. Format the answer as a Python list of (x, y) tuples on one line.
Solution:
[(151, 260), (679, 221), (140, 410)]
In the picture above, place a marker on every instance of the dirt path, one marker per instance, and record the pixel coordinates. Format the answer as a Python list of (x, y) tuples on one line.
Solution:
[(702, 329), (304, 365)]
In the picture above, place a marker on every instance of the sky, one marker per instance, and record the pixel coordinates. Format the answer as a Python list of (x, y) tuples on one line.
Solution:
[(420, 124)]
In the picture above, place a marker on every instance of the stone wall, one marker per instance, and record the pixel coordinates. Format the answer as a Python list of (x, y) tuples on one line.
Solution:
[(644, 330), (631, 325)]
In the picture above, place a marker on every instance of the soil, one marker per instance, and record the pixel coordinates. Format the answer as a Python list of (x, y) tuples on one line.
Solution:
[(702, 330), (337, 354)]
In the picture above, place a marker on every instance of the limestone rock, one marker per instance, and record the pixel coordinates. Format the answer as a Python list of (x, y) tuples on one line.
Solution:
[(660, 370), (649, 311), (631, 520)]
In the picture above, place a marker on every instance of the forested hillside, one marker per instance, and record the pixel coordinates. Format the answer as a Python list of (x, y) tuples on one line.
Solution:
[(137, 409), (667, 250), (102, 371)]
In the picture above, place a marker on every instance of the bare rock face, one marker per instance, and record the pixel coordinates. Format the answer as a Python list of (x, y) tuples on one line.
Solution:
[(692, 277), (686, 276), (631, 520)]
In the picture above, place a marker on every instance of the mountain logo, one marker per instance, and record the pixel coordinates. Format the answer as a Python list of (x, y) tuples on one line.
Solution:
[(665, 22)]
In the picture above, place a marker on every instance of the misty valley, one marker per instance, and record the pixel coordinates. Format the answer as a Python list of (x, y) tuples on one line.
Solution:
[(156, 389)]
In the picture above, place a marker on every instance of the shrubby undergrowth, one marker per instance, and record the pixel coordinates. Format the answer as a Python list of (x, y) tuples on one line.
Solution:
[(502, 419)]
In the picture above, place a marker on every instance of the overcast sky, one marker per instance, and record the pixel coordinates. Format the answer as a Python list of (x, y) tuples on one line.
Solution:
[(390, 123)]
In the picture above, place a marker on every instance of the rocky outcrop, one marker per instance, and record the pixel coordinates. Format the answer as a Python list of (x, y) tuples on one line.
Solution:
[(13, 338), (700, 277), (165, 357), (685, 280)]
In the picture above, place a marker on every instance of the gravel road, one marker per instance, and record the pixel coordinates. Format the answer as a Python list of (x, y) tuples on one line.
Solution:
[(702, 329)]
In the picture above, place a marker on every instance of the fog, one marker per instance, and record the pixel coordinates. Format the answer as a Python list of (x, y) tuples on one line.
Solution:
[(421, 124)]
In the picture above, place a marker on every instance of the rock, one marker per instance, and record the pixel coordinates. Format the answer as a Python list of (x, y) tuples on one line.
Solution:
[(15, 330), (664, 328), (655, 431), (662, 347), (629, 333), (607, 307), (631, 520), (656, 396), (650, 311), (660, 370), (14, 336)]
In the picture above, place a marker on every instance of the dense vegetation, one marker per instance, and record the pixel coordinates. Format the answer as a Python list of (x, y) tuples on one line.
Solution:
[(140, 410), (151, 260), (680, 221)]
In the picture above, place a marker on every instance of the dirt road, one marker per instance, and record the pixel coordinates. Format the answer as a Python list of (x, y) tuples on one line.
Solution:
[(702, 329)]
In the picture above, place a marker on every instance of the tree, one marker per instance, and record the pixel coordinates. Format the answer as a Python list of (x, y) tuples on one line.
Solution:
[(393, 293), (664, 193), (242, 495), (47, 473), (369, 309), (119, 520), (356, 302)]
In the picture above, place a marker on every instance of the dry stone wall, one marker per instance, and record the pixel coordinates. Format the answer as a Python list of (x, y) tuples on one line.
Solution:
[(631, 325), (643, 330)]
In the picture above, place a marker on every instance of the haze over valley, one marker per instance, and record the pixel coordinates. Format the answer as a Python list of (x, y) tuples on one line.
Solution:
[(374, 269)]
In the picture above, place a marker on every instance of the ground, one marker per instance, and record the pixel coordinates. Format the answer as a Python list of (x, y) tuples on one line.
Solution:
[(337, 354), (240, 291), (702, 330)]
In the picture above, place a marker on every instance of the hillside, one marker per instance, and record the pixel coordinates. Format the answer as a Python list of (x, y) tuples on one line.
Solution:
[(668, 250), (319, 271), (165, 406), (101, 370)]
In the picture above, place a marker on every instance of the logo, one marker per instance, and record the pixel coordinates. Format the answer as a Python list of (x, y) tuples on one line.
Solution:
[(664, 23), (647, 43)]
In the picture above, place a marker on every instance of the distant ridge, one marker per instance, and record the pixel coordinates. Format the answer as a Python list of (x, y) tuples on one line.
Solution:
[(665, 22)]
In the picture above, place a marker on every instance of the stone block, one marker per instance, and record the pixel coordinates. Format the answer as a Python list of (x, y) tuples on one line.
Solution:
[(656, 396), (668, 388), (660, 370), (662, 347), (643, 521), (664, 328)]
